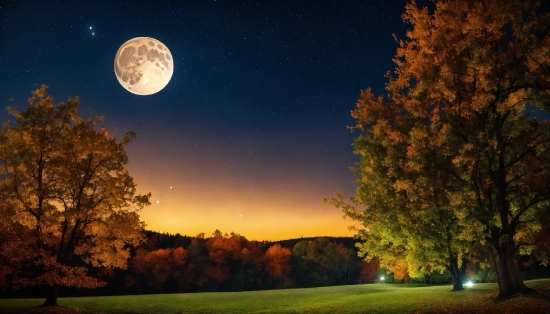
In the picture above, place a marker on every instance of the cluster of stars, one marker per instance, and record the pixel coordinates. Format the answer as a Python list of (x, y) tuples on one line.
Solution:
[(158, 201)]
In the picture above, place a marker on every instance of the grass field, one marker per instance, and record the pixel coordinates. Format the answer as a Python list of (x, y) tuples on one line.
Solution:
[(376, 298)]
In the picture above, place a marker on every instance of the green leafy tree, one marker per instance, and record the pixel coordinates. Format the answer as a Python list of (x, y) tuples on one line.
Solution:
[(456, 130), (67, 200), (409, 223), (321, 262)]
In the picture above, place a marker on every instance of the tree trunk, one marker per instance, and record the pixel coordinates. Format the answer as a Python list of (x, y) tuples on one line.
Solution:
[(457, 277), (457, 273), (457, 281), (51, 296), (509, 278)]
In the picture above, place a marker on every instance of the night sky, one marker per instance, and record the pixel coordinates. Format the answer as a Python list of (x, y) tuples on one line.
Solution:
[(250, 133)]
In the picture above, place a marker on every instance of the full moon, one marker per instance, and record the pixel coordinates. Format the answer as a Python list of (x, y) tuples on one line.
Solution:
[(143, 65)]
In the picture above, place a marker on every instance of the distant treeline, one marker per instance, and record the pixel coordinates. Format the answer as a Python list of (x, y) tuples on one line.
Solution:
[(168, 263), (230, 262)]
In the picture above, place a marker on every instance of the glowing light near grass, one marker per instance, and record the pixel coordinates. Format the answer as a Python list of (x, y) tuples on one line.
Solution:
[(469, 284)]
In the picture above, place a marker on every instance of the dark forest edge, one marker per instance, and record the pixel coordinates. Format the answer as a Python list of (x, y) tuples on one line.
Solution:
[(172, 263)]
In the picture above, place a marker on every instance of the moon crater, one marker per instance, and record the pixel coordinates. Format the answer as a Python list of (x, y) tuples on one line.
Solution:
[(143, 65)]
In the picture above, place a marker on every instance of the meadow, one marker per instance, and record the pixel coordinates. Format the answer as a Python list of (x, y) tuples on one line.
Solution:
[(373, 298)]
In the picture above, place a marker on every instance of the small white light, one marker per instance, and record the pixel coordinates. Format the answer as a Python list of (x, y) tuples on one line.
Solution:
[(469, 284), (382, 278)]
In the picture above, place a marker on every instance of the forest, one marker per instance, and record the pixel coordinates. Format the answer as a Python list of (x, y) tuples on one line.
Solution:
[(172, 263)]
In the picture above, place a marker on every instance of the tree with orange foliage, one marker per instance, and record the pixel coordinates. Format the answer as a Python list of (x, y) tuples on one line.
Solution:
[(222, 250), (162, 266), (67, 200), (234, 261), (277, 262), (455, 139), (399, 269)]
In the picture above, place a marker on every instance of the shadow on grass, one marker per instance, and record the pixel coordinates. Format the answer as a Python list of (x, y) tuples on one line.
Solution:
[(536, 294), (47, 310)]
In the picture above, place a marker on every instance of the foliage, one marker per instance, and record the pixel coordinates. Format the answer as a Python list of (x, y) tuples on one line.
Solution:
[(277, 263), (369, 271), (230, 262), (234, 260), (454, 145), (162, 267), (321, 262), (67, 201), (168, 263)]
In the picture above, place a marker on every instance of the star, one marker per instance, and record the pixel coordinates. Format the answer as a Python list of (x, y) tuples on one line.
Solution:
[(281, 148)]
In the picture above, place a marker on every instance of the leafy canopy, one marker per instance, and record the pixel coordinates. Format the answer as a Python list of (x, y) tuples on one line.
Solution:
[(452, 162), (67, 201)]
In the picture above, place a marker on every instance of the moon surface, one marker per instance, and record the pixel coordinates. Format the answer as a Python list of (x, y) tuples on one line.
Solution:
[(143, 65)]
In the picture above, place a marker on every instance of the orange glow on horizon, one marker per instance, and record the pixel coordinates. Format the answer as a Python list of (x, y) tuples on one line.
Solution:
[(202, 196), (256, 216)]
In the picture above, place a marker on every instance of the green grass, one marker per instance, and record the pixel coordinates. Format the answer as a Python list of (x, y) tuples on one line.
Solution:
[(376, 298)]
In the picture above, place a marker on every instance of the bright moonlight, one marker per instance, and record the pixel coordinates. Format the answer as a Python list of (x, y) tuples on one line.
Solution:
[(143, 65)]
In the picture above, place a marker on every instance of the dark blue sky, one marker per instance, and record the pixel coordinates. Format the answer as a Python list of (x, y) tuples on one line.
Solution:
[(250, 133)]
